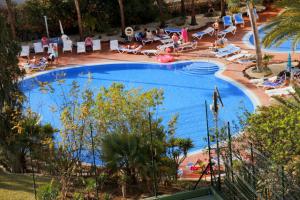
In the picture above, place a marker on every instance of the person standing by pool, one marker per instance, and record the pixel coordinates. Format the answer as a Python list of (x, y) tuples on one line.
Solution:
[(54, 51), (216, 27), (184, 35)]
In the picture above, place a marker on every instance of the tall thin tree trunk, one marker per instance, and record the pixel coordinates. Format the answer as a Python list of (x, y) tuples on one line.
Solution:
[(79, 19), (223, 12), (11, 18), (193, 15), (183, 13), (161, 13), (121, 5), (257, 44)]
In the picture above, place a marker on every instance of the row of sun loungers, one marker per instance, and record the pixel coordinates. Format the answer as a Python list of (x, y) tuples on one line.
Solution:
[(67, 46)]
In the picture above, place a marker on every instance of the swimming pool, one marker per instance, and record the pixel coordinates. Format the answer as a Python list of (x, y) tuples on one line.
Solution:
[(186, 86), (284, 47)]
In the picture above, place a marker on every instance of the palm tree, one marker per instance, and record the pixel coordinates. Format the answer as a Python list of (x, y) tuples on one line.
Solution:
[(285, 26), (223, 12), (161, 13), (79, 18), (11, 18), (193, 15), (259, 61), (183, 13), (121, 5)]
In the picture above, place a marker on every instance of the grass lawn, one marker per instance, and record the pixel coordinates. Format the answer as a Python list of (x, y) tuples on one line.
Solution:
[(19, 186)]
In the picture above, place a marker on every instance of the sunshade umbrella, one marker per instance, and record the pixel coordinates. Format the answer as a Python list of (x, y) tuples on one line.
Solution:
[(61, 28)]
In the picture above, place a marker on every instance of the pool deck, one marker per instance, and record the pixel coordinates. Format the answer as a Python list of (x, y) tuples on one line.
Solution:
[(232, 70)]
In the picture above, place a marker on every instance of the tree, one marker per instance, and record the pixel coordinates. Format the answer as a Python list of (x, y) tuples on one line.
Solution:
[(77, 6), (273, 131), (183, 11), (122, 15), (161, 13), (285, 26), (223, 4), (11, 18), (259, 63), (193, 15), (11, 97)]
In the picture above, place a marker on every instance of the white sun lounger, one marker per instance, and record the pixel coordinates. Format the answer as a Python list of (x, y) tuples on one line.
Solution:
[(134, 51), (67, 45), (261, 80), (230, 51), (281, 91), (209, 30), (96, 45), (237, 56), (114, 45), (38, 47), (163, 47), (25, 51), (189, 45), (80, 47), (230, 29), (166, 41), (151, 52)]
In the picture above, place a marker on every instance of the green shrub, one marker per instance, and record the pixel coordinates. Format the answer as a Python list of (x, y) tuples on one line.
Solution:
[(106, 196), (78, 196), (48, 192)]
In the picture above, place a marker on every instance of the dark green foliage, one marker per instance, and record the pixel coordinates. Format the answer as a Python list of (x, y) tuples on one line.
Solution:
[(48, 192)]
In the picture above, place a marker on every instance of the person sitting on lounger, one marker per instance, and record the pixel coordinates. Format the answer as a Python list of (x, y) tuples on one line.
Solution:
[(149, 35), (175, 39)]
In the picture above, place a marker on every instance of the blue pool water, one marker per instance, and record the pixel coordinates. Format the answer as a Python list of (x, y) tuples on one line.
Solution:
[(186, 87), (284, 47)]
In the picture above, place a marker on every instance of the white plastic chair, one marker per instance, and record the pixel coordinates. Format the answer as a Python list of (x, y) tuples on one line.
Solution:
[(25, 51), (50, 49), (38, 47), (96, 45), (80, 47), (114, 45), (67, 45)]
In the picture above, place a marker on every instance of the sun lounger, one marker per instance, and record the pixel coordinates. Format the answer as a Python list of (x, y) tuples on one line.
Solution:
[(40, 66), (230, 29), (261, 80), (255, 13), (232, 50), (208, 31), (238, 19), (114, 45), (25, 51), (163, 47), (281, 91), (151, 52), (188, 45), (145, 41), (166, 41), (172, 30), (80, 47), (67, 45), (278, 83), (226, 48), (227, 20), (128, 50), (38, 48), (96, 45), (237, 56)]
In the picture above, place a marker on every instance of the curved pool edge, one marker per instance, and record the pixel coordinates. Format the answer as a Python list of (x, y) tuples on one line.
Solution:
[(248, 44)]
